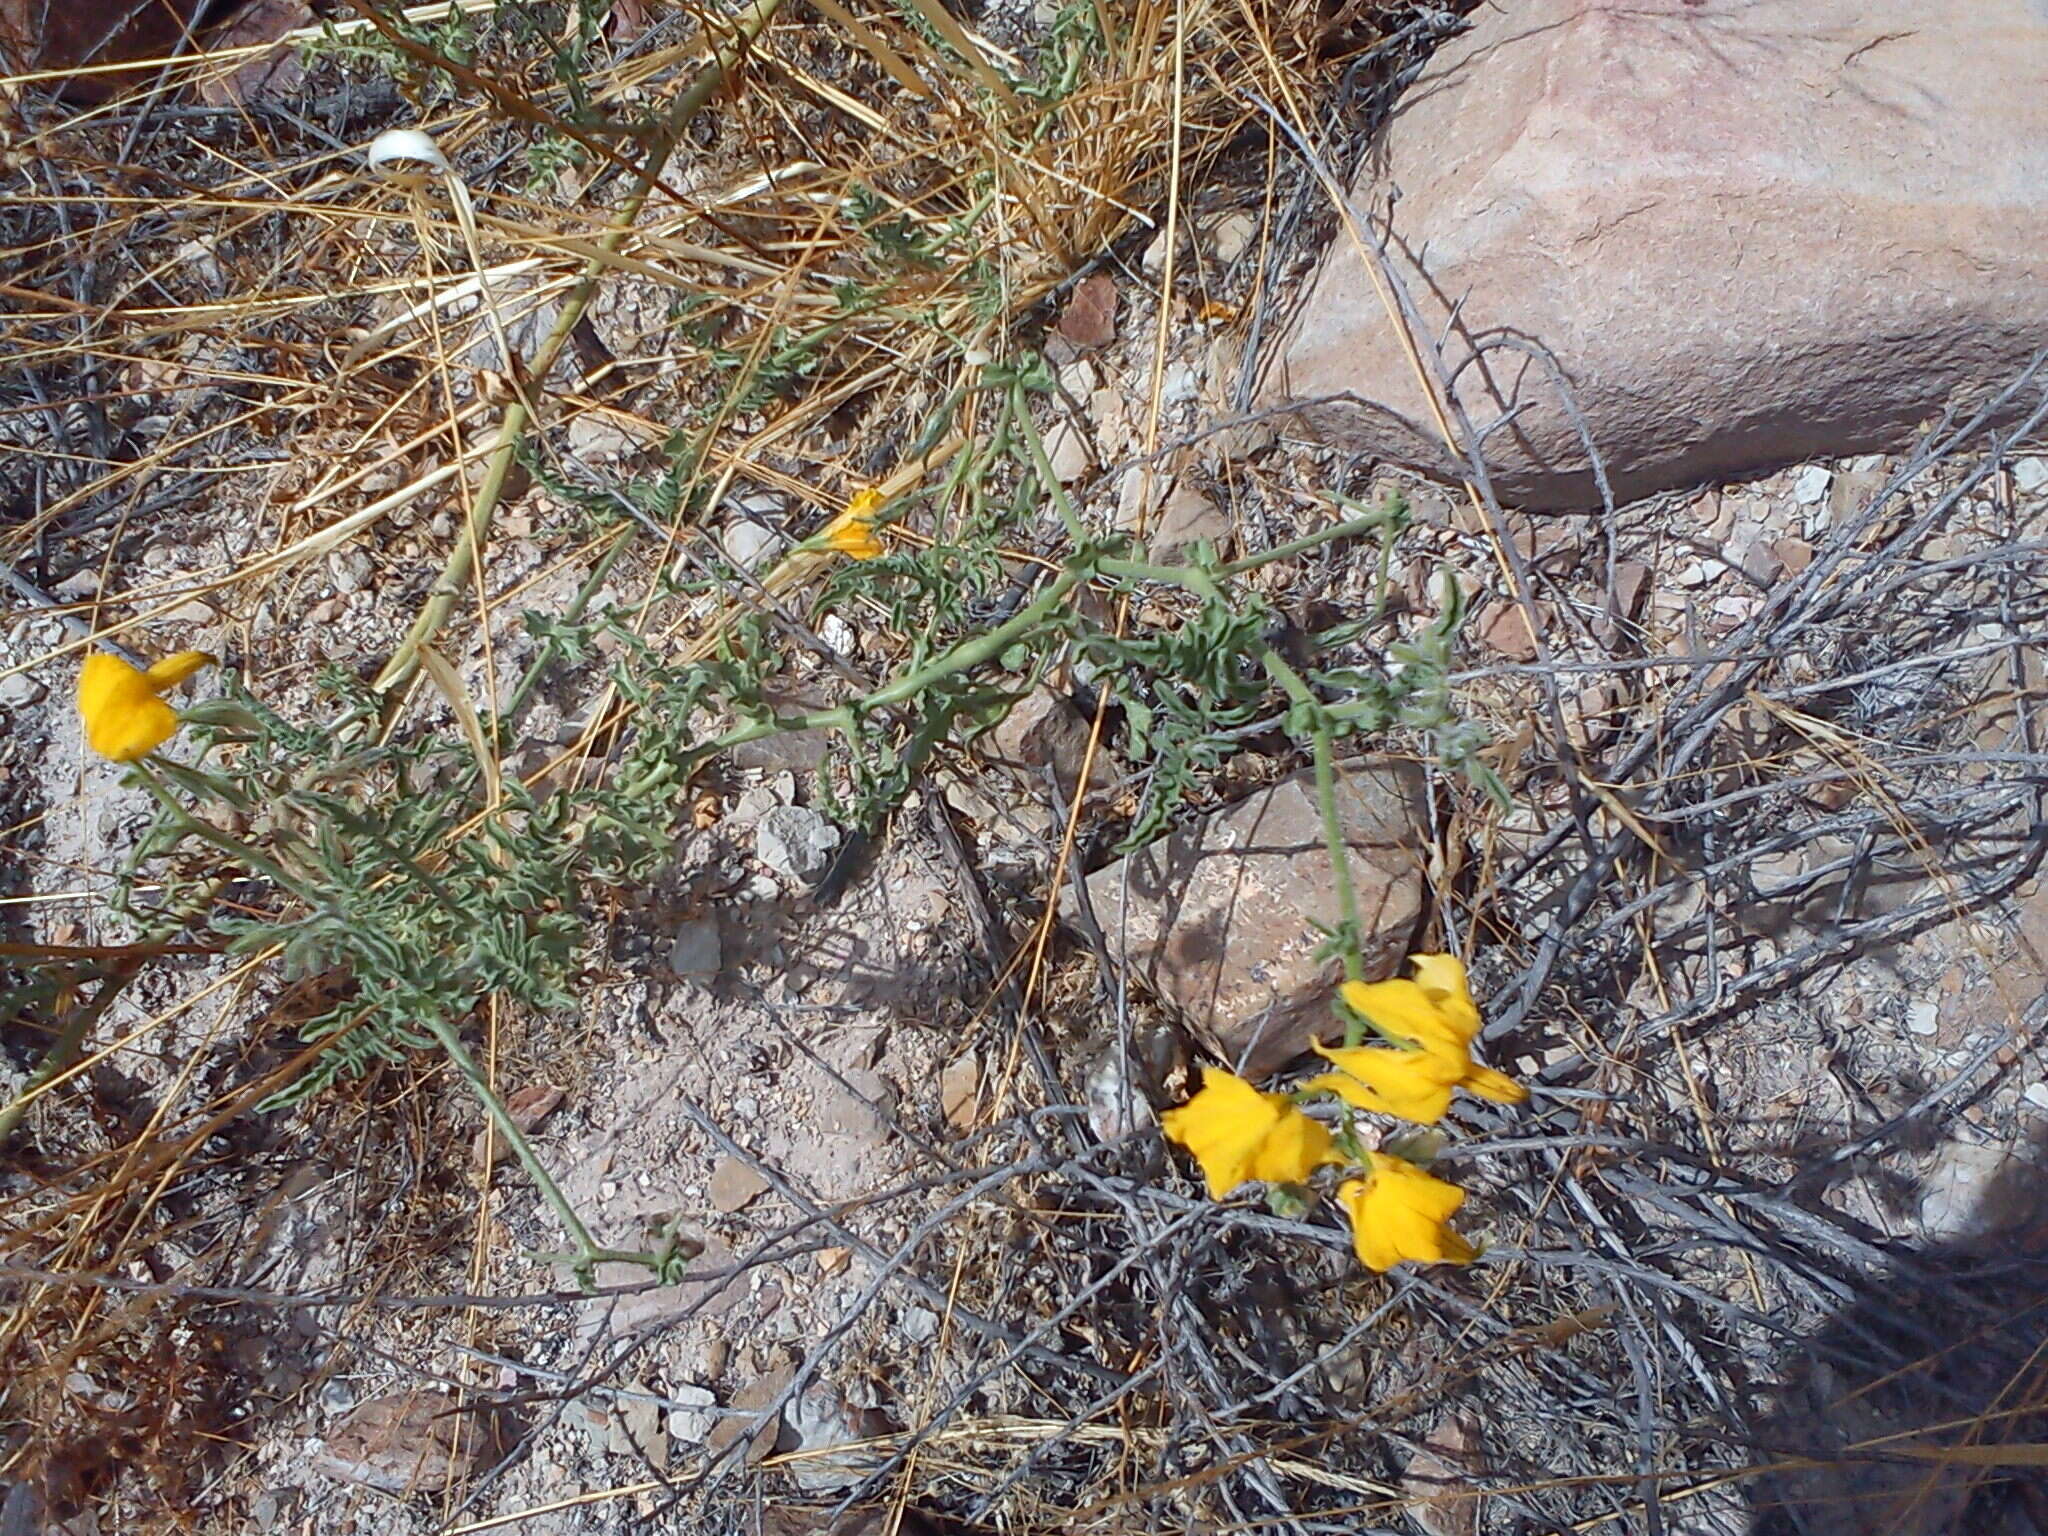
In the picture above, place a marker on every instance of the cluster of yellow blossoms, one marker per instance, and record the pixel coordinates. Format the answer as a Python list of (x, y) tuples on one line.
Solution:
[(1240, 1136)]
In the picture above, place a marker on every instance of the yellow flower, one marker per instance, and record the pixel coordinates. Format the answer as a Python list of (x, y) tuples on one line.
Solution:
[(1399, 1212), (852, 532), (1239, 1134), (1434, 1012), (1385, 1080), (124, 717)]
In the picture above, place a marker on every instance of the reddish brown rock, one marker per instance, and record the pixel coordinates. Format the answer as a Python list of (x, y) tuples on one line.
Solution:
[(411, 1443), (60, 35), (1089, 320), (274, 73), (1218, 921), (1752, 232), (1044, 730)]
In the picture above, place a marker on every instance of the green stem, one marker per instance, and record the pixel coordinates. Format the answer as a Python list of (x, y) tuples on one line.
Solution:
[(963, 657), (206, 832), (1326, 801), (573, 614), (1020, 413), (1195, 579), (588, 1254), (1308, 541), (1316, 716)]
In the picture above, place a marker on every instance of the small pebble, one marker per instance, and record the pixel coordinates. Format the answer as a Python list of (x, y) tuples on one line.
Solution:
[(1921, 1018), (19, 691), (2037, 1095), (1811, 484)]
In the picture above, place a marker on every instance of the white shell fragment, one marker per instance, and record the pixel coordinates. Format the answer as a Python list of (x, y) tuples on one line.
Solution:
[(406, 149)]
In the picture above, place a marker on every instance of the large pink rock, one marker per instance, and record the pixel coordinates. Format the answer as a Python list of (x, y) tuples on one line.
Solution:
[(1751, 231)]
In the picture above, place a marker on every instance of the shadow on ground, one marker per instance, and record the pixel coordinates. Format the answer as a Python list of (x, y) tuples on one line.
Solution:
[(1919, 1407)]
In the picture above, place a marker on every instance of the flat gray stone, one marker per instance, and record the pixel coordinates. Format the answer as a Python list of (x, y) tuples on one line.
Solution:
[(697, 950), (796, 842)]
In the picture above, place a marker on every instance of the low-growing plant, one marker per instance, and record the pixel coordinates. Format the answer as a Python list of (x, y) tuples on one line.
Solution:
[(421, 880)]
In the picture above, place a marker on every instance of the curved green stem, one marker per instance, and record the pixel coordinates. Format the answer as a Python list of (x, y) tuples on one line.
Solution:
[(588, 1254), (1020, 414)]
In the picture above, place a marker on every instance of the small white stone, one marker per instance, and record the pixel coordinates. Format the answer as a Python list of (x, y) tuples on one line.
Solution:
[(2037, 1095), (1811, 484), (19, 691), (351, 571), (1066, 451), (795, 842), (690, 1422), (1961, 1193), (1231, 235), (747, 543), (1139, 492), (1922, 1017), (2030, 474), (1153, 262), (838, 634), (594, 436)]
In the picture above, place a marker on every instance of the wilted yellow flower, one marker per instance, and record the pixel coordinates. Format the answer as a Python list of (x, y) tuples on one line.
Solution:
[(124, 716), (1239, 1134), (1399, 1212), (852, 532), (1436, 1013)]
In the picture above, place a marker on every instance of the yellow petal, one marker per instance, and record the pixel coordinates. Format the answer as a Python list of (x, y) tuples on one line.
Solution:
[(1442, 979), (1413, 1187), (107, 681), (1413, 1085), (1295, 1148), (1239, 1135), (131, 731), (1401, 1213), (1497, 1086), (852, 532), (173, 670), (1402, 1009), (1222, 1127), (1373, 1245), (124, 718)]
